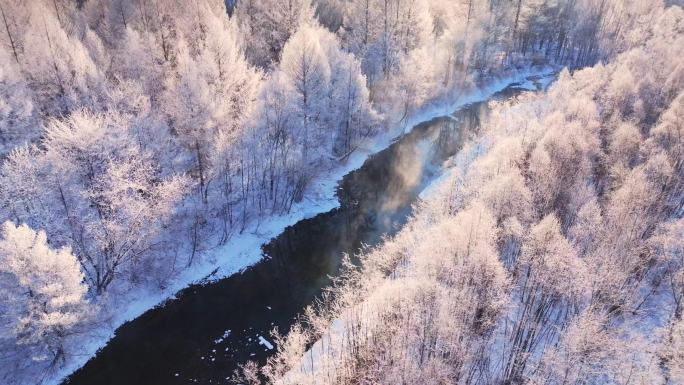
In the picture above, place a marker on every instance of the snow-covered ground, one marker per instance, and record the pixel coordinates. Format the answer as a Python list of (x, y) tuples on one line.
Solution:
[(335, 334), (244, 250)]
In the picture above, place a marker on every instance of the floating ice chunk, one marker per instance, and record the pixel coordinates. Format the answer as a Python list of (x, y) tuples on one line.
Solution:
[(225, 335), (264, 341), (176, 375)]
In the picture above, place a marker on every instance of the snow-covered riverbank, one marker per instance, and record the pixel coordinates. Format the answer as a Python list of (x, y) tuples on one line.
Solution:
[(244, 250), (335, 335)]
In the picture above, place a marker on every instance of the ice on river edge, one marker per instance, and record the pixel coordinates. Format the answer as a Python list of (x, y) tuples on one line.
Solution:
[(244, 250)]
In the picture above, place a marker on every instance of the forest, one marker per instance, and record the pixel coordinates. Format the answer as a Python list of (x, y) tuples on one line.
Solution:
[(139, 136)]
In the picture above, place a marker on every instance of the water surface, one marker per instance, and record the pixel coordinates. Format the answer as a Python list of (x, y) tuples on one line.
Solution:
[(210, 329)]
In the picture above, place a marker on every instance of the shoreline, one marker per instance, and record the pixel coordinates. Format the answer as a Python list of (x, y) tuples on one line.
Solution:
[(244, 250)]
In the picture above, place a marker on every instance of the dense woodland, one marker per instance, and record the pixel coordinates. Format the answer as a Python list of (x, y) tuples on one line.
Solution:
[(551, 253), (136, 135)]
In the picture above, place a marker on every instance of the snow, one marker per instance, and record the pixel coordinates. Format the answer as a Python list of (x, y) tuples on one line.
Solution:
[(309, 361), (264, 341), (244, 250), (445, 108)]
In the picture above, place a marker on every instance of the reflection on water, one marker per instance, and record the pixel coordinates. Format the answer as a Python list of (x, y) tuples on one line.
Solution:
[(203, 335)]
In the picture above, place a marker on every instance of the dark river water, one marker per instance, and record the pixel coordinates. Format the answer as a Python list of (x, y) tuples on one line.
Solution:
[(203, 335)]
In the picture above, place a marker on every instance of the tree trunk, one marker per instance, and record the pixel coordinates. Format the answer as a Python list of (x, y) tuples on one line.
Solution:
[(9, 34)]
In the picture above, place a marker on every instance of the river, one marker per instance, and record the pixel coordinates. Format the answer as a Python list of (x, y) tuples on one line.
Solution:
[(203, 335)]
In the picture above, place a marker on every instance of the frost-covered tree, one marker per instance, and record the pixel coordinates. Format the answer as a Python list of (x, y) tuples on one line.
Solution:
[(672, 352), (381, 31), (213, 92), (551, 281), (18, 115), (57, 64), (111, 111), (305, 64), (582, 188), (105, 174), (93, 188), (268, 25), (354, 117), (14, 16), (668, 247), (42, 300), (591, 350)]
